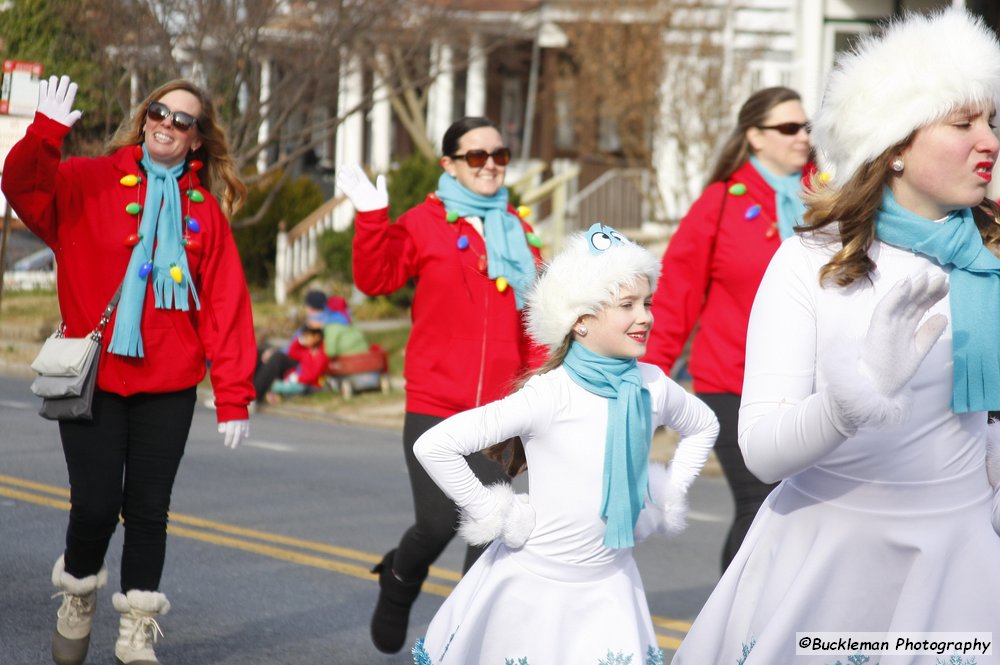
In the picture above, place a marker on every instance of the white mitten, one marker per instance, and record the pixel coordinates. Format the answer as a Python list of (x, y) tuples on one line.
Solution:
[(55, 100), (512, 520), (665, 512), (891, 353), (359, 189), (993, 468), (234, 431)]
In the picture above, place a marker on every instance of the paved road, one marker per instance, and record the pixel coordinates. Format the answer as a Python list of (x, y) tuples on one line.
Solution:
[(271, 544)]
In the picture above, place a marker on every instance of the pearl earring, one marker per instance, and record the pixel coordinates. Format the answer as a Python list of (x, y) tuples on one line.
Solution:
[(897, 165), (581, 331)]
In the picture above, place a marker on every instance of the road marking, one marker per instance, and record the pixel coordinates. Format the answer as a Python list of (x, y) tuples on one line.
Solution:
[(266, 544), (698, 516), (269, 445), (12, 404)]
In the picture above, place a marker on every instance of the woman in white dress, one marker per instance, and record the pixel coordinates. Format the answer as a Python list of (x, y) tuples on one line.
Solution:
[(872, 359), (558, 584)]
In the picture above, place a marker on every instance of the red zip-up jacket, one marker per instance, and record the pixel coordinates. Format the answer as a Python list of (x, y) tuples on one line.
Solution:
[(77, 207), (312, 363), (710, 275), (467, 346)]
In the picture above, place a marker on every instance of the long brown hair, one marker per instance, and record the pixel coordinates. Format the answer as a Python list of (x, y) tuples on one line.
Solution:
[(510, 453), (736, 149), (219, 174), (855, 205)]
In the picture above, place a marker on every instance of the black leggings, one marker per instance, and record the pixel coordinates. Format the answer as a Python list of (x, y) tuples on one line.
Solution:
[(748, 492), (124, 462), (436, 514)]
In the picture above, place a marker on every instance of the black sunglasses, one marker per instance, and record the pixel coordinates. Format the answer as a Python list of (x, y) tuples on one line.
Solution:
[(179, 119), (477, 158), (788, 128)]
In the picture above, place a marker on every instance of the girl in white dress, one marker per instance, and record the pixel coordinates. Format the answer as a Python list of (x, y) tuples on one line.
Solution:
[(558, 584), (872, 360)]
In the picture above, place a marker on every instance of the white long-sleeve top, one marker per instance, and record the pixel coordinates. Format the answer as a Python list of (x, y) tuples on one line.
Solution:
[(797, 337), (562, 427)]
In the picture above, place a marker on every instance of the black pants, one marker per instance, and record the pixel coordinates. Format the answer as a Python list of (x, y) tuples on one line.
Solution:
[(436, 514), (268, 372), (748, 492), (124, 462)]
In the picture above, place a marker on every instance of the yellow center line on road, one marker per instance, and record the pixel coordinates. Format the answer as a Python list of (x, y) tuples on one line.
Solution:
[(200, 529)]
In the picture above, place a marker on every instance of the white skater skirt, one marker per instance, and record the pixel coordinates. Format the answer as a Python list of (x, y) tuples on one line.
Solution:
[(833, 554), (515, 608)]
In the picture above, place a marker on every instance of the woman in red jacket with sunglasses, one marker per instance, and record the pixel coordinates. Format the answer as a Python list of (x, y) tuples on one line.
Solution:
[(715, 262), (473, 260)]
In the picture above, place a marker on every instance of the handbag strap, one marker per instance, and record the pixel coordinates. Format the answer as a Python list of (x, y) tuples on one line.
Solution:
[(106, 316)]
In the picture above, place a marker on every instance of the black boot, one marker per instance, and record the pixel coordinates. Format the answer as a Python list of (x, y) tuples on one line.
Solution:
[(392, 612)]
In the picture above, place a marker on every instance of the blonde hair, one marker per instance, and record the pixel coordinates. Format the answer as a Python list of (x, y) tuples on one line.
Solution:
[(219, 174)]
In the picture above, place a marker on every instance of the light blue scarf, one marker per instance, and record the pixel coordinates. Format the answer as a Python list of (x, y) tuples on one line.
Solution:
[(787, 198), (161, 221), (974, 290), (507, 251), (626, 444)]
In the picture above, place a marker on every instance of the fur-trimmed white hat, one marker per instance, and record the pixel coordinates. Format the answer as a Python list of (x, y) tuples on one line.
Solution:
[(920, 69), (584, 277)]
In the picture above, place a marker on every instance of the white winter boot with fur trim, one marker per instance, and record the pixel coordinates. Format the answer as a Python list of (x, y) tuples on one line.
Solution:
[(138, 630), (71, 639)]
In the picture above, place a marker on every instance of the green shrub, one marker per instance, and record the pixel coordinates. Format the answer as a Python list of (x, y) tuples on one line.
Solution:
[(257, 242), (411, 182)]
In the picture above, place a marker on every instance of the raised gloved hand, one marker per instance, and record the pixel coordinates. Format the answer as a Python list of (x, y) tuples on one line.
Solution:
[(359, 189), (866, 388), (894, 346), (234, 432), (55, 100)]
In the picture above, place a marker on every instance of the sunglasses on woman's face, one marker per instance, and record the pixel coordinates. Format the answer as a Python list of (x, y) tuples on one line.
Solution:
[(477, 158), (158, 112), (788, 128)]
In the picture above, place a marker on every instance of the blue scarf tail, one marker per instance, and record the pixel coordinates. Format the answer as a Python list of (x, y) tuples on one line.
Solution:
[(161, 221), (787, 198), (507, 251), (626, 446), (974, 291)]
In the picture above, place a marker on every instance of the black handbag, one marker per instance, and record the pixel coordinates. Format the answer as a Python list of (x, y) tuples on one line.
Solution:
[(67, 371)]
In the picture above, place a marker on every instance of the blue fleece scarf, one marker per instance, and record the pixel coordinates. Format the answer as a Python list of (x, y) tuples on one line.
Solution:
[(507, 251), (161, 222), (626, 444), (787, 198), (974, 290)]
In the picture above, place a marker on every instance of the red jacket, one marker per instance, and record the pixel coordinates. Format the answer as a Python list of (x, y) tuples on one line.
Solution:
[(77, 208), (467, 346), (711, 270), (312, 363)]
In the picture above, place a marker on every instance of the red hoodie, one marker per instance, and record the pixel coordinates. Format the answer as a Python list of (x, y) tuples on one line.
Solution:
[(77, 207), (467, 346), (711, 271)]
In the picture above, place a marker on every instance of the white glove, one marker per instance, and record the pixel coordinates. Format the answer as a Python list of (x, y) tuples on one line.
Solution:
[(665, 512), (55, 100), (993, 454), (512, 519), (234, 431), (894, 346), (359, 189)]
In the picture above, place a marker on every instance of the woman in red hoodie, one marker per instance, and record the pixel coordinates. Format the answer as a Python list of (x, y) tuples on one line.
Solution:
[(473, 260), (715, 262), (146, 217)]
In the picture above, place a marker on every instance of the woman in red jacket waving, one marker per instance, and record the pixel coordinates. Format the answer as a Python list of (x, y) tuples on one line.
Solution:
[(714, 264), (144, 216), (473, 260)]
